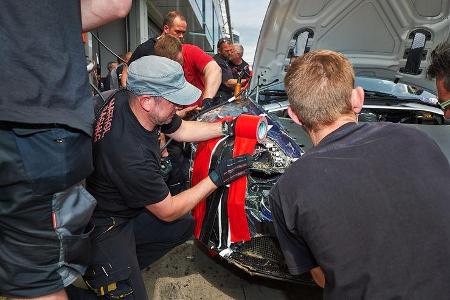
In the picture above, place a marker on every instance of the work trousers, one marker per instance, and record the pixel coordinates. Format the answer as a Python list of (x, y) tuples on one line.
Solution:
[(121, 248)]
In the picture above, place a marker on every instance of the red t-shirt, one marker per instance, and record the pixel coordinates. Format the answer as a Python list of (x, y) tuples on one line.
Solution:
[(195, 60)]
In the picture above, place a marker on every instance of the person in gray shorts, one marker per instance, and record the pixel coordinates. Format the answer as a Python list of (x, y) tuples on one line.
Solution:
[(46, 116)]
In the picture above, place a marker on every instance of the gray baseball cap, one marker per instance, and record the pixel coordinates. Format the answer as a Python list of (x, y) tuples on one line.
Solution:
[(161, 77)]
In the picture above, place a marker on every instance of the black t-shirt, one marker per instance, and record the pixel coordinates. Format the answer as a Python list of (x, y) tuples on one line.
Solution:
[(371, 205), (127, 161), (226, 75), (242, 70), (145, 49), (44, 78)]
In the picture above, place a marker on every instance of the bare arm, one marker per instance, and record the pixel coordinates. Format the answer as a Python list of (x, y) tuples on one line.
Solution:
[(212, 76), (193, 131), (318, 276), (95, 13), (174, 207), (232, 82)]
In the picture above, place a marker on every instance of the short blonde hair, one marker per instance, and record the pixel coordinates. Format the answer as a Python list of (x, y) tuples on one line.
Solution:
[(168, 46), (319, 86)]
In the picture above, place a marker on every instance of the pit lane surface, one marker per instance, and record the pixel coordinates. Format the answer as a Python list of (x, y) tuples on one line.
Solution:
[(188, 273)]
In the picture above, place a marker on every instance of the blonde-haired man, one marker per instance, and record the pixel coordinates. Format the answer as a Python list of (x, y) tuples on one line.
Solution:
[(358, 215), (439, 69)]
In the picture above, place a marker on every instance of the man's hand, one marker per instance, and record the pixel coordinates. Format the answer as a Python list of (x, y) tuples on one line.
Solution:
[(229, 170), (207, 101)]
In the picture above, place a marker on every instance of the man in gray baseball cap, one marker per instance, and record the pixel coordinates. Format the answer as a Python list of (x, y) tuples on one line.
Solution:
[(161, 77), (132, 197)]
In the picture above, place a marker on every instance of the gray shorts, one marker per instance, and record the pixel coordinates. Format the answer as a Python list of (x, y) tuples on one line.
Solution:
[(44, 210)]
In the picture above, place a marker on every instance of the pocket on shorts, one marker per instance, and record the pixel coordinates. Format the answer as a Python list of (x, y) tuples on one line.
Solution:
[(54, 158), (77, 248), (72, 211)]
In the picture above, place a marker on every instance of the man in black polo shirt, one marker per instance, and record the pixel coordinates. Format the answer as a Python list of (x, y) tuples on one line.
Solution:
[(137, 220), (225, 51), (368, 210)]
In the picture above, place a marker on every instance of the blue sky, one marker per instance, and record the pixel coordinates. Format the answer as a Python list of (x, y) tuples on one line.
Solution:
[(246, 18)]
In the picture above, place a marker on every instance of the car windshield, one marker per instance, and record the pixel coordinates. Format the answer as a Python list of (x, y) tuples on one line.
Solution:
[(384, 88), (375, 89)]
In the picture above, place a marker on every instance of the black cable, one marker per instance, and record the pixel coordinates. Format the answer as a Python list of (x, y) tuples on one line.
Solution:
[(264, 85), (98, 91), (107, 48), (105, 101)]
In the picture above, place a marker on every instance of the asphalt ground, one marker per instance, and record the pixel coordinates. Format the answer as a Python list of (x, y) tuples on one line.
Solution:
[(187, 272)]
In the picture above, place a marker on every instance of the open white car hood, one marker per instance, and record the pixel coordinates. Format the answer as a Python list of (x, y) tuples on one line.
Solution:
[(376, 35)]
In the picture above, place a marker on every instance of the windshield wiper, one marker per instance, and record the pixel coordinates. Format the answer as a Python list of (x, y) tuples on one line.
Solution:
[(393, 99), (377, 94)]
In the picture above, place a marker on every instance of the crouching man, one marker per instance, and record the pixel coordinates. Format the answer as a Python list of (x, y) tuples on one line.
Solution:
[(368, 211), (137, 220)]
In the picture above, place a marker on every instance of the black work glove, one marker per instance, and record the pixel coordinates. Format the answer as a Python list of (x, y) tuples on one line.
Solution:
[(230, 169), (207, 100), (228, 127)]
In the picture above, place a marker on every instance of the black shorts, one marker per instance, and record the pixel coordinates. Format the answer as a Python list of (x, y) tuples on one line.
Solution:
[(44, 210)]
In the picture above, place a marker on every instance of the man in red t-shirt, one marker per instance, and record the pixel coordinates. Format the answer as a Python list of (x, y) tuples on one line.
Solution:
[(202, 71), (199, 68)]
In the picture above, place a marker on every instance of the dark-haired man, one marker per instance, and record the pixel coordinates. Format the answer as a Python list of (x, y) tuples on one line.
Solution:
[(439, 68), (358, 216)]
